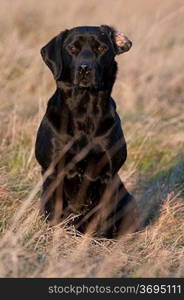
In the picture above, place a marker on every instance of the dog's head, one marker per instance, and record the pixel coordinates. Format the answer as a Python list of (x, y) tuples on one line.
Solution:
[(84, 56)]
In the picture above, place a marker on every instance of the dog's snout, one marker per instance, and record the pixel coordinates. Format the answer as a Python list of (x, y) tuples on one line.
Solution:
[(85, 68), (85, 74)]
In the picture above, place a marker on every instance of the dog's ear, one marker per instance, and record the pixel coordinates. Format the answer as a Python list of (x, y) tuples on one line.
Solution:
[(120, 41), (123, 44), (52, 54)]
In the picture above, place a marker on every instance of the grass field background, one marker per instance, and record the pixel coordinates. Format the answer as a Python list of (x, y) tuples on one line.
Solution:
[(149, 96)]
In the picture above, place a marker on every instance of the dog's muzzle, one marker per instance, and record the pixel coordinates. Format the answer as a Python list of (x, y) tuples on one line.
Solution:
[(85, 75)]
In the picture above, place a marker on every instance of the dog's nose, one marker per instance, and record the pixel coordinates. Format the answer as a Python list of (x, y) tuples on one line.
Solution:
[(84, 68)]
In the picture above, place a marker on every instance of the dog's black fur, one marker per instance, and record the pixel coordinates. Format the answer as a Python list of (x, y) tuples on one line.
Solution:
[(80, 142)]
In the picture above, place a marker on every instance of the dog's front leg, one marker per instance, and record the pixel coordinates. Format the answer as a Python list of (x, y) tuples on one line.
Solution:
[(52, 195), (58, 205), (47, 196)]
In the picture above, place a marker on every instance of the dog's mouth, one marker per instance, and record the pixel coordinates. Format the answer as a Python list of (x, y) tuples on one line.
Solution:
[(84, 83), (85, 79)]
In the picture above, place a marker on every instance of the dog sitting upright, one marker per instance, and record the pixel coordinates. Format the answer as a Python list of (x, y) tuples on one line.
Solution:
[(80, 143)]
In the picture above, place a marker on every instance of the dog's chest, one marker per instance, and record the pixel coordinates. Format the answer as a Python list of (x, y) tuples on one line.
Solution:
[(87, 113)]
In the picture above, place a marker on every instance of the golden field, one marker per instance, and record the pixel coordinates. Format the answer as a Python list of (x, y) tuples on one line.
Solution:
[(150, 96)]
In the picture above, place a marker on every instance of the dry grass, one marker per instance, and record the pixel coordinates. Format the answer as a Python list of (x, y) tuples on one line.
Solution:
[(149, 93)]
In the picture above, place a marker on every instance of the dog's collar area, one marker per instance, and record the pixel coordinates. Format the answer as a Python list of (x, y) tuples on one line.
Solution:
[(66, 86)]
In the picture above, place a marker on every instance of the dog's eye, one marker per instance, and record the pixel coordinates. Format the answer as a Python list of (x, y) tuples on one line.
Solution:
[(101, 49), (73, 49)]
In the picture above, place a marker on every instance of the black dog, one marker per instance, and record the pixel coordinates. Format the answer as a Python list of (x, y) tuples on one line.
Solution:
[(80, 144)]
